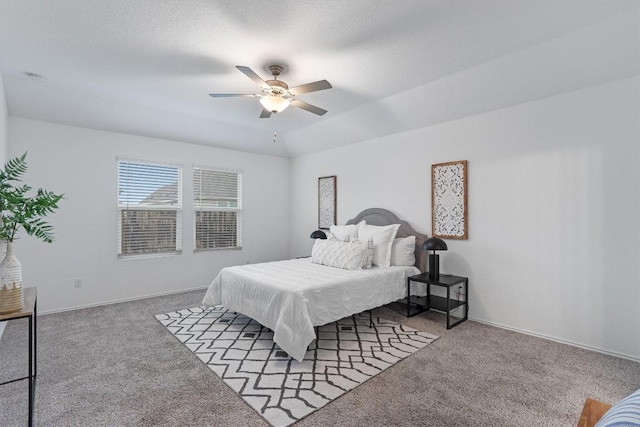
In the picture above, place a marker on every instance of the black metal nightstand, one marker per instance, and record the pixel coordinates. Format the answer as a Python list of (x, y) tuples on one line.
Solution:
[(30, 310), (416, 305)]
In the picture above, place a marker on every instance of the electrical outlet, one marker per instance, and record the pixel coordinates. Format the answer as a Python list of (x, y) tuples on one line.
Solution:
[(78, 282)]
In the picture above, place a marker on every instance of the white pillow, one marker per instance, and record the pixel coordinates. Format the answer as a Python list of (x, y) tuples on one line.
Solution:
[(382, 240), (403, 251), (346, 232), (347, 255), (624, 413), (367, 258)]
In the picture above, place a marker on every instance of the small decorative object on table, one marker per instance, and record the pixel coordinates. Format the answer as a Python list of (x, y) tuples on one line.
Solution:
[(20, 211), (434, 244)]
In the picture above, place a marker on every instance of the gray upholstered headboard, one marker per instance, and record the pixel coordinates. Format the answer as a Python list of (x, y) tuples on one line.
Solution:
[(379, 216)]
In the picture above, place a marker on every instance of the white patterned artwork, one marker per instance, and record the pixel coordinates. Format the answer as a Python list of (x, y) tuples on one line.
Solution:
[(449, 200), (326, 201)]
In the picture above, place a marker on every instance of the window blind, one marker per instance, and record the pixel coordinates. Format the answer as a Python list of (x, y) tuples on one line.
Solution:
[(149, 208), (217, 204)]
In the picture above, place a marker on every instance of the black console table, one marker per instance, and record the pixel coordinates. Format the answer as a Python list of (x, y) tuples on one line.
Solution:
[(28, 310), (416, 305)]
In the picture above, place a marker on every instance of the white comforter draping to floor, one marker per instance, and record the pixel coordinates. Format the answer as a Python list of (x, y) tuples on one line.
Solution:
[(291, 297)]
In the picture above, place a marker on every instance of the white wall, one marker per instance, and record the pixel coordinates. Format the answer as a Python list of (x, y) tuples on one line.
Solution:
[(4, 118), (3, 143), (554, 212), (82, 164)]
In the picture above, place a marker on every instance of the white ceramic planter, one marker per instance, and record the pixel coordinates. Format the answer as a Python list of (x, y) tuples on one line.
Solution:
[(11, 297)]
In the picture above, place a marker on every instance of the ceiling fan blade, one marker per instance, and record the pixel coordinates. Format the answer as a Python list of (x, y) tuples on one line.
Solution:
[(311, 87), (230, 95), (252, 75), (305, 106), (265, 114)]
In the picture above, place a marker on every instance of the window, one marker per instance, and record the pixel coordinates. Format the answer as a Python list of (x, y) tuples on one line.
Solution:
[(217, 204), (149, 208)]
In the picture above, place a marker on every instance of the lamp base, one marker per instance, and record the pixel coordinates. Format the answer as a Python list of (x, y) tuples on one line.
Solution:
[(434, 267)]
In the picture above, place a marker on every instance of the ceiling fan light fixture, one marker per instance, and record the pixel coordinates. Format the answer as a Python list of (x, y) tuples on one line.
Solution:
[(274, 103), (275, 95)]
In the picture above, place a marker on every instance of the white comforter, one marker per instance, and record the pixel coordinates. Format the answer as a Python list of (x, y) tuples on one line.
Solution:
[(291, 297)]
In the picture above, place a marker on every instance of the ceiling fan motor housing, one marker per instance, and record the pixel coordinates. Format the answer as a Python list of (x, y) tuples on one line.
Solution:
[(276, 88)]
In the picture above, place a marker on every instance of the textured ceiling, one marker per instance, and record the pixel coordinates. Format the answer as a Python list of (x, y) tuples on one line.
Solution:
[(146, 67)]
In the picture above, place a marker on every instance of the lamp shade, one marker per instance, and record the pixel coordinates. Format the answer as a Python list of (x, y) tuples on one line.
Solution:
[(274, 103), (434, 244), (318, 234)]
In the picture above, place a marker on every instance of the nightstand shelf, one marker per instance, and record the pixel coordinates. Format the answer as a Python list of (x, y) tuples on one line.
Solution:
[(417, 305)]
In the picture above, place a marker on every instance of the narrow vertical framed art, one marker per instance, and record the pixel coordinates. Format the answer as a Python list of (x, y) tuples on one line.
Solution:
[(449, 214), (326, 201)]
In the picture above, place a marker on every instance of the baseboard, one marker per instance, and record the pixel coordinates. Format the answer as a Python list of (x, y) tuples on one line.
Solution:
[(497, 325), (99, 304), (561, 341)]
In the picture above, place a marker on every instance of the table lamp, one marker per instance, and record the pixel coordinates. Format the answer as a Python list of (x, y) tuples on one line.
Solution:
[(318, 234), (434, 244)]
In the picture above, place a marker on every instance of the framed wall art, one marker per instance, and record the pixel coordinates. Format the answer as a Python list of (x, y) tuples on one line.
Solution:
[(326, 201), (449, 214)]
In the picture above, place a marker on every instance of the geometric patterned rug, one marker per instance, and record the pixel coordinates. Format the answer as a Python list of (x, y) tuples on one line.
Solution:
[(242, 353)]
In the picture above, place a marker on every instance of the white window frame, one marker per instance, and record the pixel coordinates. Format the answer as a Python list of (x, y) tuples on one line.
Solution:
[(150, 207), (199, 207)]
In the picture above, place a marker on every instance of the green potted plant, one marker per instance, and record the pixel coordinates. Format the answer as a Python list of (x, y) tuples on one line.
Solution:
[(19, 211)]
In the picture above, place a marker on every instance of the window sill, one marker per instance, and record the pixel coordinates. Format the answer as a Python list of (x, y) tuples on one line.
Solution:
[(147, 256), (235, 248)]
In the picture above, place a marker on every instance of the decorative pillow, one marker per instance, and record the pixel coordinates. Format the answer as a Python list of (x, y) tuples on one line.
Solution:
[(347, 255), (382, 240), (345, 232), (625, 413), (403, 251), (367, 258)]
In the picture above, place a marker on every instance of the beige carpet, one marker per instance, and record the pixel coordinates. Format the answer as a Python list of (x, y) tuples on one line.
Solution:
[(116, 365)]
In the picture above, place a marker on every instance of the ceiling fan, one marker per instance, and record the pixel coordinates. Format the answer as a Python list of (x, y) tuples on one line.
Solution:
[(276, 94)]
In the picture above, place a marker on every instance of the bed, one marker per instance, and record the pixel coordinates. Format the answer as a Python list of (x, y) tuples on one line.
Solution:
[(292, 297)]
